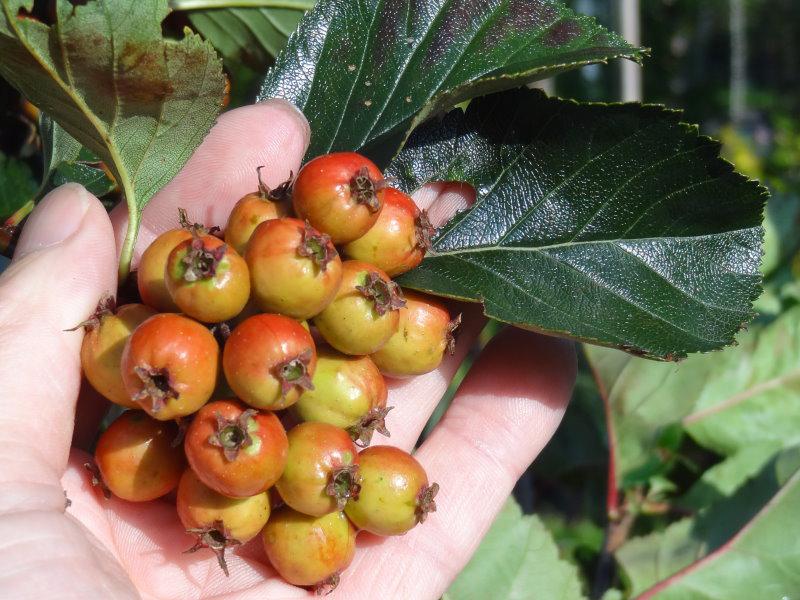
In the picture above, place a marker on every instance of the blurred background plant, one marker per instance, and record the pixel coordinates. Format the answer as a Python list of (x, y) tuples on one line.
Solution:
[(662, 476)]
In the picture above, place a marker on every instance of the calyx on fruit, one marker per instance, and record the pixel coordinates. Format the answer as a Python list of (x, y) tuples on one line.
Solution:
[(374, 420), (452, 326), (215, 537), (317, 246), (106, 307), (386, 295), (202, 263), (425, 501), (196, 229), (294, 372), (344, 485), (327, 585), (365, 189), (157, 386), (280, 193), (424, 230), (232, 435)]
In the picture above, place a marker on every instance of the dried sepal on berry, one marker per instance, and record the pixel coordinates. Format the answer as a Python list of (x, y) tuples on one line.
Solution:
[(344, 484), (327, 585), (374, 420), (196, 229), (106, 307), (216, 538), (157, 385), (281, 193), (365, 189), (233, 435), (202, 263), (424, 231), (452, 327), (295, 372), (386, 295), (317, 246), (425, 501)]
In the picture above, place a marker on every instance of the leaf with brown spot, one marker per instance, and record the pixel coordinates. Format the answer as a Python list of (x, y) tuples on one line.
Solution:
[(104, 72)]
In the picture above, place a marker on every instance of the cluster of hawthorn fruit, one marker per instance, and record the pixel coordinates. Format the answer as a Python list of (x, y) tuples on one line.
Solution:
[(219, 360)]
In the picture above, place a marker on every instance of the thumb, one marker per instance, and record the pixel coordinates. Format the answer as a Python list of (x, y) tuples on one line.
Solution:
[(65, 261)]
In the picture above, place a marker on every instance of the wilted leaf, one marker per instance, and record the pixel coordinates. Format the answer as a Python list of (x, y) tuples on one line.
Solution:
[(104, 72), (617, 225), (366, 72)]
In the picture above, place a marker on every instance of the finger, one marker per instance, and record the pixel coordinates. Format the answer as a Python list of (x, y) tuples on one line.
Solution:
[(147, 539), (223, 169), (503, 415), (63, 264), (416, 398)]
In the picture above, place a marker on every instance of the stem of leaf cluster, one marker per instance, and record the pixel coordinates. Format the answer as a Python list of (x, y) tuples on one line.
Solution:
[(9, 226), (132, 232)]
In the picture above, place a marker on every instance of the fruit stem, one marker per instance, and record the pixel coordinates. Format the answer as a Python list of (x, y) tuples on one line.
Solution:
[(9, 228)]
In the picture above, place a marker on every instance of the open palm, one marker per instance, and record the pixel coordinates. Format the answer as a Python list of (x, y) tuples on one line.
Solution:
[(503, 414)]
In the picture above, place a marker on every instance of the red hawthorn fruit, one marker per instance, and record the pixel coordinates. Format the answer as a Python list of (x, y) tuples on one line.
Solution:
[(170, 365), (101, 351), (236, 450), (398, 240), (269, 360), (364, 313), (394, 494), (321, 472), (207, 279), (294, 269), (255, 208), (340, 194), (219, 522), (137, 459), (424, 334), (309, 551)]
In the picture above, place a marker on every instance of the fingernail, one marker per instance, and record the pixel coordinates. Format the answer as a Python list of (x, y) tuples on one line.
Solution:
[(57, 217)]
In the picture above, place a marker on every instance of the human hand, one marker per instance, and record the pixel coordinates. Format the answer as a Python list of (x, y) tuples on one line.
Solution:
[(504, 412)]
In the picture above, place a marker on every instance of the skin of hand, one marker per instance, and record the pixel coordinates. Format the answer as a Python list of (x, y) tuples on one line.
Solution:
[(504, 413)]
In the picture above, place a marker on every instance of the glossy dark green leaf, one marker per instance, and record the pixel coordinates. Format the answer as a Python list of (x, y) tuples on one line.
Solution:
[(617, 225), (17, 185), (366, 72), (105, 73)]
